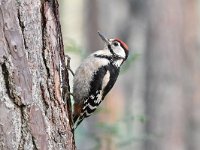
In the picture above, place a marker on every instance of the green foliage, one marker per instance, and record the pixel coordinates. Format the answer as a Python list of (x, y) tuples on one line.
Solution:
[(72, 46), (111, 129), (140, 118)]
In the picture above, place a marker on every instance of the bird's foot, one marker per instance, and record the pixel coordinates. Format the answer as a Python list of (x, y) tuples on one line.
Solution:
[(68, 64)]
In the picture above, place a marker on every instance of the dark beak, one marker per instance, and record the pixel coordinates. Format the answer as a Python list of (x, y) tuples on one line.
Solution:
[(104, 38)]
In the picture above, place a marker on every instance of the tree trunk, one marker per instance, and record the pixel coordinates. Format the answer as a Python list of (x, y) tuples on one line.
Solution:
[(34, 108), (192, 78), (164, 88)]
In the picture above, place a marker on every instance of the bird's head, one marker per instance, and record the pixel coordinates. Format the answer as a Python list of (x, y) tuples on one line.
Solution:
[(116, 46)]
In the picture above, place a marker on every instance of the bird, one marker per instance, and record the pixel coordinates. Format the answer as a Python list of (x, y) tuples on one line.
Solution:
[(96, 76)]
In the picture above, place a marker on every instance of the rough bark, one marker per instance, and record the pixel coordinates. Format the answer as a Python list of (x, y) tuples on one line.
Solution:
[(34, 108)]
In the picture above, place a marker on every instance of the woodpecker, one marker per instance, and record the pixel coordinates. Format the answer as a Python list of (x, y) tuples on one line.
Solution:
[(96, 76)]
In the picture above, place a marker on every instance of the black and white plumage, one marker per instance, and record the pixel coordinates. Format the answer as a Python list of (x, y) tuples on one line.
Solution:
[(95, 77)]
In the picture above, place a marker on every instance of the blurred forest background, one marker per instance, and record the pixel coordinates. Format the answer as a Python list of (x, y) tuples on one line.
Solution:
[(155, 104)]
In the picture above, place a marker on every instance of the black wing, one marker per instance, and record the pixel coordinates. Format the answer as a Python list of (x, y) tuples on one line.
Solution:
[(114, 72), (90, 102)]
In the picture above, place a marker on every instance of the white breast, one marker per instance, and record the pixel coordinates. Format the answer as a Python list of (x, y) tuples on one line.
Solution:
[(84, 75)]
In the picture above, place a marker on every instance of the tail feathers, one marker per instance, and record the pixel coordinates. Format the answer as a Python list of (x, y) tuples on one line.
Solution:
[(77, 120), (77, 116)]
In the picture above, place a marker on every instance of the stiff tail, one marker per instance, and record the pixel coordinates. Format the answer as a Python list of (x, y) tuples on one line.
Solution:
[(77, 120)]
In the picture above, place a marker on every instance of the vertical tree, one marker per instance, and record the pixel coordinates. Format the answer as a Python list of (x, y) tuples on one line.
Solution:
[(192, 76), (164, 85), (34, 95)]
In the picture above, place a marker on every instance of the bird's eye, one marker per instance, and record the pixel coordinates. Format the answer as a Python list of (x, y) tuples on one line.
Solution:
[(115, 43)]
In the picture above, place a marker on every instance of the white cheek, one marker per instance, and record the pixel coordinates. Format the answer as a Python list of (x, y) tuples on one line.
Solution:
[(119, 51)]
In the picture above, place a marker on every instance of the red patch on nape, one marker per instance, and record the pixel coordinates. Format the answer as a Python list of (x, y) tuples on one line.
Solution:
[(122, 43)]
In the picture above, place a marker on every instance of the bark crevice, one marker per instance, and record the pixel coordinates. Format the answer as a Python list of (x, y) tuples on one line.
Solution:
[(43, 24), (34, 144), (44, 97), (22, 26), (24, 127), (6, 79)]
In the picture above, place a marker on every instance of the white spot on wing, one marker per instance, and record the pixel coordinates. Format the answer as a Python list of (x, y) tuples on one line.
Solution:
[(99, 97), (87, 114), (106, 79), (91, 107), (92, 96)]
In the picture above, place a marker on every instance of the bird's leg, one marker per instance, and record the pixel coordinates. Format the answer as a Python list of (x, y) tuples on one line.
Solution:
[(69, 68), (68, 64)]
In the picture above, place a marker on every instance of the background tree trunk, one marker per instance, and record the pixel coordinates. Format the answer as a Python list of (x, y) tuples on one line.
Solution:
[(34, 113), (171, 75)]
